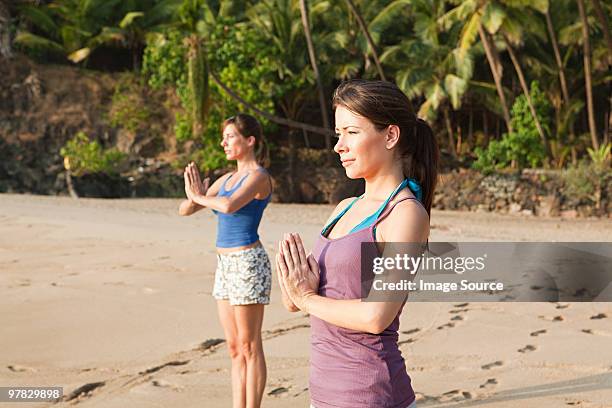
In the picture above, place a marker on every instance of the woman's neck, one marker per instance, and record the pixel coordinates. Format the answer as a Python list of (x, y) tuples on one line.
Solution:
[(246, 164), (379, 186)]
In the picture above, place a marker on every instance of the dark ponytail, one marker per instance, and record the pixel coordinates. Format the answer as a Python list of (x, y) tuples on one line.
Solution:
[(420, 159), (247, 126), (384, 104)]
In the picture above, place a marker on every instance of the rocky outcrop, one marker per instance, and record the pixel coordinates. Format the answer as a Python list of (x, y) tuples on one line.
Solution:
[(531, 192)]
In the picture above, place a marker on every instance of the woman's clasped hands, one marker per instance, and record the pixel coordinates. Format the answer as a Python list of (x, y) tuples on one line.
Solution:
[(298, 273), (194, 186)]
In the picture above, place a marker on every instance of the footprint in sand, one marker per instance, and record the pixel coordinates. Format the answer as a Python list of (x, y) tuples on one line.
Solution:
[(558, 318), (210, 343), (407, 341), (491, 365), (20, 369), (527, 348), (460, 305), (446, 325), (24, 282), (458, 317), (490, 383), (588, 331), (455, 311), (599, 316), (562, 306), (411, 331), (278, 391), (165, 384), (537, 332), (455, 395)]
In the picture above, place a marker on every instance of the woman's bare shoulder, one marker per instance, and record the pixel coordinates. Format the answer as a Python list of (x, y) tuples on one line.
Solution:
[(408, 222), (339, 207)]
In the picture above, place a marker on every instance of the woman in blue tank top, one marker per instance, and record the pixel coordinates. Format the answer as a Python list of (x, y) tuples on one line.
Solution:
[(243, 275), (355, 360)]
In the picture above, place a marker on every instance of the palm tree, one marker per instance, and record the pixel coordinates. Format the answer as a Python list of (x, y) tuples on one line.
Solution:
[(566, 109), (429, 67), (138, 20), (366, 32), (553, 40), (586, 49), (603, 22), (315, 68), (508, 22), (481, 18)]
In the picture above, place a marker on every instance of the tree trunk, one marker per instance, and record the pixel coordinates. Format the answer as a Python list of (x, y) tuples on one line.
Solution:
[(586, 45), (315, 68), (519, 72), (470, 138), (485, 126), (459, 138), (273, 118), (555, 45), (198, 85), (562, 80), (366, 33), (5, 34), (449, 131), (496, 70)]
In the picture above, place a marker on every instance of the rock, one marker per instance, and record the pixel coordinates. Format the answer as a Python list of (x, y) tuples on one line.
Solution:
[(514, 208), (309, 193), (569, 214)]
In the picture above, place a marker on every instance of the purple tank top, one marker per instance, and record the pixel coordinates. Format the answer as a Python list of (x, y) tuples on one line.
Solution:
[(348, 368)]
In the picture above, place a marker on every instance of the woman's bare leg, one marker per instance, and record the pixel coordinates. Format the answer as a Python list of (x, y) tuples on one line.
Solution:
[(249, 319), (239, 373)]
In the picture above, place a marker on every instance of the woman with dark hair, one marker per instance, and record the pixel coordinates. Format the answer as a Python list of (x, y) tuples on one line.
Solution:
[(243, 275), (355, 361)]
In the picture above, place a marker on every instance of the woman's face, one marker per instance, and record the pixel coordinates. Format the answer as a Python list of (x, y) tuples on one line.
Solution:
[(234, 144), (362, 148)]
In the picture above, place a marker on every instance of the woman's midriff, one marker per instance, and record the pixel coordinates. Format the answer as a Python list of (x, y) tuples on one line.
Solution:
[(240, 248)]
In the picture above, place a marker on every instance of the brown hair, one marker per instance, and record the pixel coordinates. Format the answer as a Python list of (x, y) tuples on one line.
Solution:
[(384, 104), (247, 126)]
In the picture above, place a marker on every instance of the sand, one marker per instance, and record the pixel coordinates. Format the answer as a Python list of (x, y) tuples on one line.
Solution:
[(114, 297)]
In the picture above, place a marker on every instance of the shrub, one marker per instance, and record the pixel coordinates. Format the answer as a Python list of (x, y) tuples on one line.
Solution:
[(522, 147), (128, 109), (82, 156), (589, 180)]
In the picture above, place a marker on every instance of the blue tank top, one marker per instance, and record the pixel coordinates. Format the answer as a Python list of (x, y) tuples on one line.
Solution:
[(240, 228)]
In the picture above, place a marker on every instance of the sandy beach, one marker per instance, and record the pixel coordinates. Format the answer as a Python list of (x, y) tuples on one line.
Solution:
[(111, 299)]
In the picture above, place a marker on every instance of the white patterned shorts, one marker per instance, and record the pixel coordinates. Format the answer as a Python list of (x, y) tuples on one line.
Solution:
[(243, 277)]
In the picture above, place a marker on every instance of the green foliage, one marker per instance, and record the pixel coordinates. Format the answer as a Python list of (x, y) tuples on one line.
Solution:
[(523, 147), (182, 127), (128, 110), (244, 62), (84, 156), (588, 180), (164, 59)]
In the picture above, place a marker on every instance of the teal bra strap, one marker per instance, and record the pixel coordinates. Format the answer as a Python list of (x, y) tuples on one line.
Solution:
[(332, 222), (412, 184), (370, 219)]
